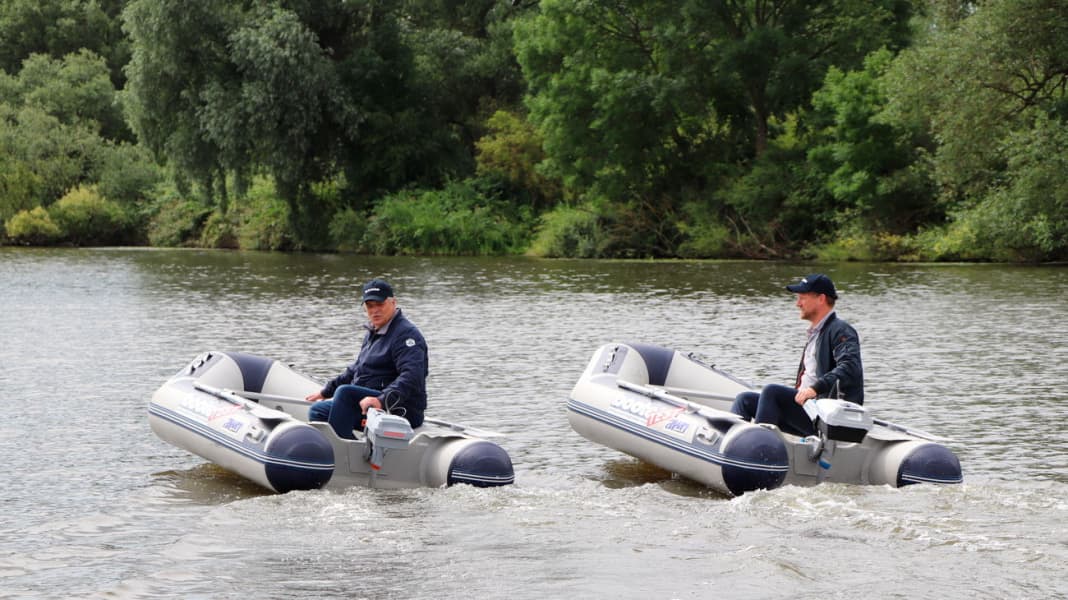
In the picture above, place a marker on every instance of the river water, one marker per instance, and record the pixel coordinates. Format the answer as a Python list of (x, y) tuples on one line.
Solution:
[(93, 505)]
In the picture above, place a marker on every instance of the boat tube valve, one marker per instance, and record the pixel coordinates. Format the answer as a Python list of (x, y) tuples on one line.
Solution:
[(385, 432), (835, 421)]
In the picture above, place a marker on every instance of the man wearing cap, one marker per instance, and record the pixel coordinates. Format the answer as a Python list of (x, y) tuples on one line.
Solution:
[(830, 364), (389, 373)]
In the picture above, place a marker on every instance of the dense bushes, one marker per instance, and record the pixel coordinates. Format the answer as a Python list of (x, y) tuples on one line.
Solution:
[(33, 227), (80, 218), (460, 219), (568, 231)]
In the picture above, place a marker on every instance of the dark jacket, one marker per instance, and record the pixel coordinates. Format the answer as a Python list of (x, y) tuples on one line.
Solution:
[(395, 362), (839, 372)]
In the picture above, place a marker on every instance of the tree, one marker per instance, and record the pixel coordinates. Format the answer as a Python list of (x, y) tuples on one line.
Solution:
[(775, 52), (875, 169), (57, 28), (307, 91), (44, 157), (654, 104), (992, 88), (75, 89), (465, 63), (511, 153), (975, 81), (60, 128)]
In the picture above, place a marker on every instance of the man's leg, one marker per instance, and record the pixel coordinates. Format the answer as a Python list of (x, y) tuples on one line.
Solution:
[(345, 414), (772, 398), (777, 406), (745, 405), (795, 420), (320, 411)]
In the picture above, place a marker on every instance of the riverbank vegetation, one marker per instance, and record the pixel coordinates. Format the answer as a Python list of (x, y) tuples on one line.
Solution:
[(844, 130)]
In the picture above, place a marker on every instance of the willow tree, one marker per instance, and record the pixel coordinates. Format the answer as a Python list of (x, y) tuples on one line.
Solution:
[(304, 91)]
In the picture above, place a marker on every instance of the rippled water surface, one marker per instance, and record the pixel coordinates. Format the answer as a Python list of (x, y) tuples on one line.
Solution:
[(94, 505)]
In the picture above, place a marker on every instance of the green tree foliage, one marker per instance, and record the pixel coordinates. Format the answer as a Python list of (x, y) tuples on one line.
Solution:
[(56, 28), (60, 128), (976, 82), (511, 152), (175, 220), (875, 170), (774, 53), (302, 90), (991, 88), (75, 89), (844, 129), (47, 157), (82, 217), (87, 219), (465, 68), (613, 92), (778, 205), (1023, 218), (571, 232), (652, 104)]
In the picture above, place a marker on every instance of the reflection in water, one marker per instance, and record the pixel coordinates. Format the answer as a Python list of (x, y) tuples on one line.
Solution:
[(629, 472), (207, 484), (94, 504)]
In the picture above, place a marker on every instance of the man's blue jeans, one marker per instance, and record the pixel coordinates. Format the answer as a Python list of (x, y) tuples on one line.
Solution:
[(343, 411), (774, 404)]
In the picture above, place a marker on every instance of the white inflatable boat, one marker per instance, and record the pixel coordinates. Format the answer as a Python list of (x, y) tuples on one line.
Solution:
[(673, 411), (248, 415)]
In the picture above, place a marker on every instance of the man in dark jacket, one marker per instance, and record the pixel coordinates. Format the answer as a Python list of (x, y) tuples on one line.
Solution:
[(830, 364), (389, 373)]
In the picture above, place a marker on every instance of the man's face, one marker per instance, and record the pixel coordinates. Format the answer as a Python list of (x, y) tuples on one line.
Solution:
[(379, 313), (810, 304)]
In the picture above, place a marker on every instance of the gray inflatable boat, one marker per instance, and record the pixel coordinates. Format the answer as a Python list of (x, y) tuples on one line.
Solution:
[(673, 411)]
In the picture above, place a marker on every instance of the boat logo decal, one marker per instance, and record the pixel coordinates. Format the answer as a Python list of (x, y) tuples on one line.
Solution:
[(677, 426), (233, 425), (209, 408), (645, 409)]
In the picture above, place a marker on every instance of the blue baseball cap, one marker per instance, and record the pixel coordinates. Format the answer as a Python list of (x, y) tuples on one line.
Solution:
[(377, 290), (817, 283)]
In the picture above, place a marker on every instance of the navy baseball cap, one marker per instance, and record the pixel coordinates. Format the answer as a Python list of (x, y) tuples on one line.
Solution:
[(817, 283), (377, 290)]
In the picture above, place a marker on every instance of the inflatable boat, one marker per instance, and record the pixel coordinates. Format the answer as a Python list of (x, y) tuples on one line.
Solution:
[(247, 414), (673, 411)]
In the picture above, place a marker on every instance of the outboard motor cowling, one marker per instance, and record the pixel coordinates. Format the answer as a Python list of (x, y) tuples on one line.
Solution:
[(385, 432), (839, 420)]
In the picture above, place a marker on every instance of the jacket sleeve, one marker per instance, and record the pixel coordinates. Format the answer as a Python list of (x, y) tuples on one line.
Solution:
[(847, 373), (409, 353)]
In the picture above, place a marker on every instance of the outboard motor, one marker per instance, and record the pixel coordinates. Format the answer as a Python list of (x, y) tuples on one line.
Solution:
[(385, 432), (835, 421)]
